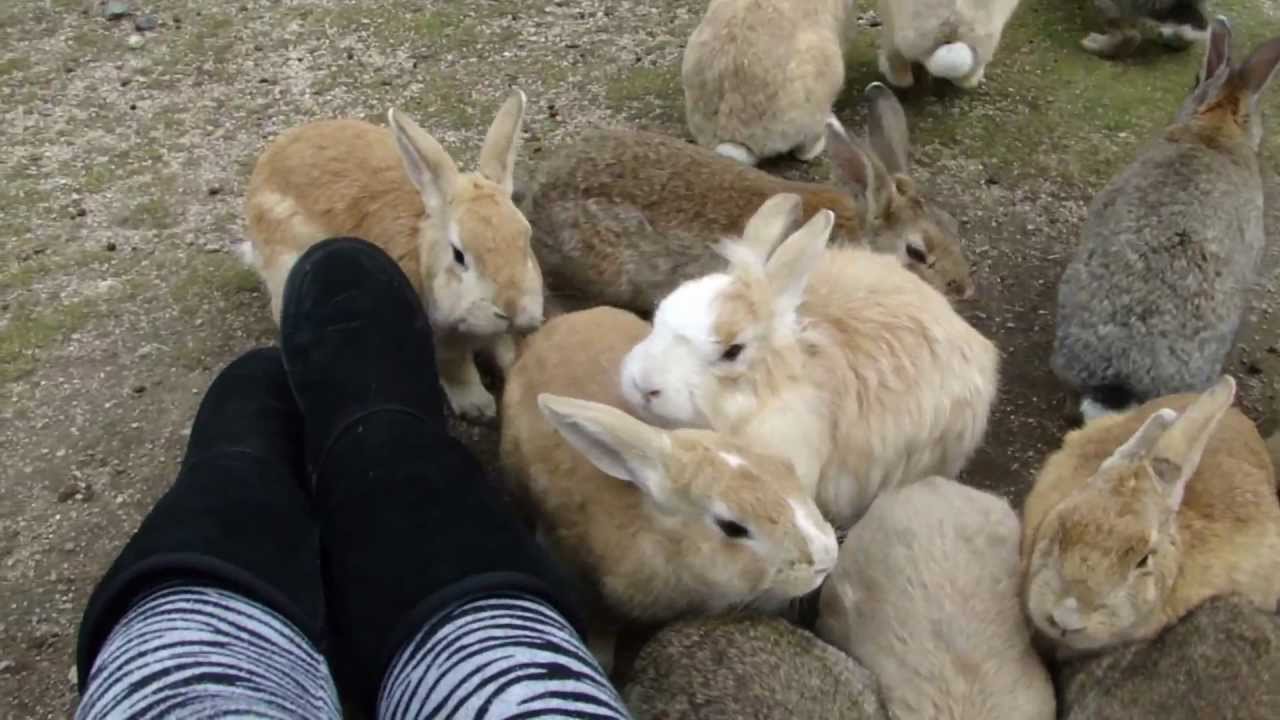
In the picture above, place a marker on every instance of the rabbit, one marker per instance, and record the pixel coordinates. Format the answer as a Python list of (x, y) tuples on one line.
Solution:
[(1180, 24), (1140, 517), (458, 237), (1152, 299), (952, 40), (662, 523), (926, 595), (838, 359), (760, 76), (621, 217), (733, 667)]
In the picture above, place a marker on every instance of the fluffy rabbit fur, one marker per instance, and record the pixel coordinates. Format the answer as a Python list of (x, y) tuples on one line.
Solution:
[(1179, 23), (621, 217), (1141, 517), (925, 595), (663, 523), (458, 236), (1151, 302), (760, 76), (953, 40), (840, 360)]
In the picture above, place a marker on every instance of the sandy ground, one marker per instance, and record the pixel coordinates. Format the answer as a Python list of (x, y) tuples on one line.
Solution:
[(123, 171)]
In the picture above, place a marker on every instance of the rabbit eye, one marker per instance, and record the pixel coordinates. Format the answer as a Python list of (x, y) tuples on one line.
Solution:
[(458, 257), (917, 254), (732, 529), (1145, 562), (732, 352)]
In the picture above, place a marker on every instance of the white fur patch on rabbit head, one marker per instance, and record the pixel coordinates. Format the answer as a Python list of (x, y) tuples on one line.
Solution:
[(1226, 95), (722, 343), (898, 218), (753, 535), (478, 268), (1105, 559)]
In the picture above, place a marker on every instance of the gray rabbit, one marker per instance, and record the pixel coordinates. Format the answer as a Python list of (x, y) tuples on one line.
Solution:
[(1152, 300), (1179, 24)]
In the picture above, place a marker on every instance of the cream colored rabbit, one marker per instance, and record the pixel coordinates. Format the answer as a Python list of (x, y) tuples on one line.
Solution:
[(1142, 516), (839, 359), (459, 238), (662, 523), (953, 40), (760, 76), (926, 596)]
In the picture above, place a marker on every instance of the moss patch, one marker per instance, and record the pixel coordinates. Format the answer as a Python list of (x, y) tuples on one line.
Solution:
[(30, 329)]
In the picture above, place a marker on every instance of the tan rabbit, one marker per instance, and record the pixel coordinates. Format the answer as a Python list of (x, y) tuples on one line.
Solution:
[(951, 39), (662, 523), (839, 359), (926, 596), (760, 76), (459, 238), (1142, 516), (621, 217)]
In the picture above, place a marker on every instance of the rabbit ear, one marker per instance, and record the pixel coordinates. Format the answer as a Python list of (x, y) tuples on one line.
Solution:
[(502, 143), (616, 443), (1217, 52), (1139, 447), (770, 224), (887, 128), (1258, 69), (860, 170), (428, 166), (1178, 452), (791, 264)]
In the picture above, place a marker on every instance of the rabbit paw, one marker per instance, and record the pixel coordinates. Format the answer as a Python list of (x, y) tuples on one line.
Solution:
[(1111, 45), (813, 148), (471, 402), (504, 352), (897, 70)]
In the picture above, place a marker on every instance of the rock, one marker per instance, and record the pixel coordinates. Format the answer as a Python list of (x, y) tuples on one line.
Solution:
[(145, 23), (110, 246), (727, 668), (1222, 661), (135, 41), (116, 9)]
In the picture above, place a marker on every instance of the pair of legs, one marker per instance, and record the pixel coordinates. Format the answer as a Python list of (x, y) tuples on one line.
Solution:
[(326, 531)]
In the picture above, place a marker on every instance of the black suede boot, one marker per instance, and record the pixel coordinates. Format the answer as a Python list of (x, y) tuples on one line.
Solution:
[(238, 516), (411, 524)]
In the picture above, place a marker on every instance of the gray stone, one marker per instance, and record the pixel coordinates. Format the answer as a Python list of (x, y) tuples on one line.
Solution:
[(1222, 661), (116, 9), (739, 667), (145, 23)]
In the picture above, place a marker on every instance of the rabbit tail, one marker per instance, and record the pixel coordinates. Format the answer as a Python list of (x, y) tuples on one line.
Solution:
[(951, 61)]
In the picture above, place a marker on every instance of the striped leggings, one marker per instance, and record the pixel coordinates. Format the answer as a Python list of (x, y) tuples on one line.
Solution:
[(196, 652)]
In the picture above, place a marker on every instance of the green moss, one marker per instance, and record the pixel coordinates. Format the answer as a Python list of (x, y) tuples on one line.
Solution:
[(150, 213), (30, 329), (214, 277), (649, 93)]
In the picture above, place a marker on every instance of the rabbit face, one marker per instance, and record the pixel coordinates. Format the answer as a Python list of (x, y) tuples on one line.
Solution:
[(927, 239), (1104, 562)]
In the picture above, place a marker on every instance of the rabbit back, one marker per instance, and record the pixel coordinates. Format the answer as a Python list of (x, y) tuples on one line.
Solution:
[(925, 595), (917, 28), (1153, 298)]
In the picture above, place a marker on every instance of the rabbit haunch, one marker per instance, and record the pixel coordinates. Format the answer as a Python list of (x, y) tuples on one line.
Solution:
[(661, 523), (1141, 517), (457, 236), (838, 359)]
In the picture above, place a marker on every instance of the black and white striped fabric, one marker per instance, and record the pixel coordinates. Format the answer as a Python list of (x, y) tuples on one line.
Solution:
[(499, 658), (196, 653), (203, 653)]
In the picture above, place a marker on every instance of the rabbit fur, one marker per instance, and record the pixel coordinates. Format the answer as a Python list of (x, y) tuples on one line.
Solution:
[(760, 76), (458, 236), (926, 595), (663, 523), (952, 40), (838, 359), (1140, 517), (1179, 23), (621, 217), (1152, 300)]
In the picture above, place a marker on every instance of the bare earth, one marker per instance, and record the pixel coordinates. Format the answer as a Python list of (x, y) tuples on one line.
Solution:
[(123, 171)]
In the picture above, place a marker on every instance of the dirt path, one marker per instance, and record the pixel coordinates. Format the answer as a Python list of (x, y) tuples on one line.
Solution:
[(123, 171)]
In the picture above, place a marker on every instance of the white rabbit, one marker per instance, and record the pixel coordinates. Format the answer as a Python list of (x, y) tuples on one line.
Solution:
[(953, 40)]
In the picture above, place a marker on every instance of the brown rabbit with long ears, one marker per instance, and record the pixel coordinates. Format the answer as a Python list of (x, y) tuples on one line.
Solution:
[(621, 217), (1141, 517), (458, 236)]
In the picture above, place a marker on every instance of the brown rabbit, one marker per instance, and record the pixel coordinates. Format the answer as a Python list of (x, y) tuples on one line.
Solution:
[(622, 217), (1143, 516), (458, 236)]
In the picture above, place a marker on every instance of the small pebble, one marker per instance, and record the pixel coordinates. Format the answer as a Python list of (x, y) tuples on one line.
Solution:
[(145, 23), (116, 9), (110, 246), (135, 41), (138, 389)]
